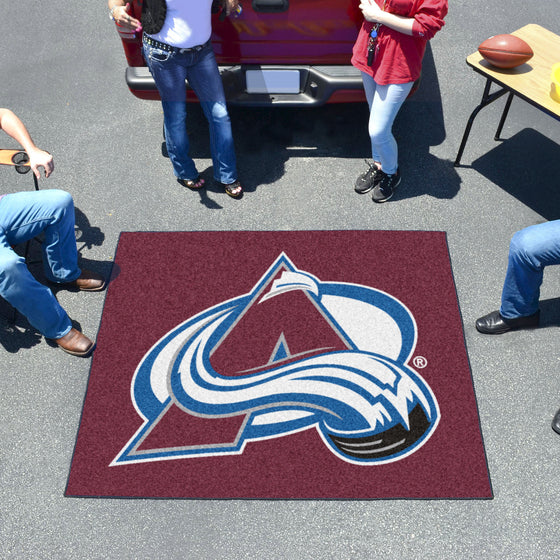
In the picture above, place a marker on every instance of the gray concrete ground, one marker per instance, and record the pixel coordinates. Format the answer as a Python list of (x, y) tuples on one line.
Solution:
[(63, 74)]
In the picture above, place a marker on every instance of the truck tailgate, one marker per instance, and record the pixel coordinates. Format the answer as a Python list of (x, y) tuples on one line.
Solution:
[(289, 32)]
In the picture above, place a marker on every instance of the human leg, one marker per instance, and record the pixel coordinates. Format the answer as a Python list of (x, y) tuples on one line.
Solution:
[(531, 250), (31, 298), (387, 101), (205, 79), (169, 72), (22, 217), (27, 214), (369, 89), (384, 102), (385, 105), (177, 140), (367, 180)]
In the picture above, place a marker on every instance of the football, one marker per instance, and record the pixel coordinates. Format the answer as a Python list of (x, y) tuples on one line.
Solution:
[(505, 51)]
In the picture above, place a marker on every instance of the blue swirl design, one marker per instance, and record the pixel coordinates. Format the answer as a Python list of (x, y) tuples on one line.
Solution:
[(368, 407)]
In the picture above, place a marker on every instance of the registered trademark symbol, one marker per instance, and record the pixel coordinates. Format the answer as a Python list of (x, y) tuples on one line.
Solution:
[(420, 362)]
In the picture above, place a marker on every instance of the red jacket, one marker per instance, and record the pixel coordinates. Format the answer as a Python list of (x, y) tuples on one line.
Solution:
[(398, 57)]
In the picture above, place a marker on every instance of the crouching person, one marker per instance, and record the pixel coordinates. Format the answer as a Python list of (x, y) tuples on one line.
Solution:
[(23, 216)]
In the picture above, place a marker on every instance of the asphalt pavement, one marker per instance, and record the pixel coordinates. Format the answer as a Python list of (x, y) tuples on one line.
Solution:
[(63, 74)]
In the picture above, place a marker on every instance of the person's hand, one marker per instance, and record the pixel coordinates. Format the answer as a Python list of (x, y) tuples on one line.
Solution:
[(231, 6), (371, 11), (39, 158), (125, 20)]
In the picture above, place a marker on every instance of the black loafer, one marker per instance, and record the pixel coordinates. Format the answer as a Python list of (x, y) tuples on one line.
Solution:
[(556, 422), (494, 323)]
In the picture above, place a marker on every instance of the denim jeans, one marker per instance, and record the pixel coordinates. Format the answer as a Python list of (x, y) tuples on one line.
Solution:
[(23, 216), (530, 251), (384, 104), (170, 70)]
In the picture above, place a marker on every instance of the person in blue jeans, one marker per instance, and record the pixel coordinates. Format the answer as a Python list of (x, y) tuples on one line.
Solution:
[(177, 47), (531, 250), (23, 216)]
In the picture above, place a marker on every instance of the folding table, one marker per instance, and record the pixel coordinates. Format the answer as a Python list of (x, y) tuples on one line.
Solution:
[(530, 81)]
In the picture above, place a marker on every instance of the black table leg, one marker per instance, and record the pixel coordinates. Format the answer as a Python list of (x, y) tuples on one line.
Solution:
[(504, 116), (487, 98)]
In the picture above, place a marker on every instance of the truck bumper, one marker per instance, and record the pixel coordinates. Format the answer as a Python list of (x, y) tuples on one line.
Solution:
[(317, 85)]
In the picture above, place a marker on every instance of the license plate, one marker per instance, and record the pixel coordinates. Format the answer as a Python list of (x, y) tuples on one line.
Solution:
[(272, 81)]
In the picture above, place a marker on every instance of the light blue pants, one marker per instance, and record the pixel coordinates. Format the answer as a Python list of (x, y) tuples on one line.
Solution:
[(530, 251), (23, 216), (170, 70), (384, 104)]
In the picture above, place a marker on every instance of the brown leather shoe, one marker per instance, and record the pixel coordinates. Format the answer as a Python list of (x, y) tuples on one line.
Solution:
[(88, 281), (75, 343)]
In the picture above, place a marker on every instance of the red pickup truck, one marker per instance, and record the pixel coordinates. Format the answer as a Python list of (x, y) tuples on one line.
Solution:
[(277, 52)]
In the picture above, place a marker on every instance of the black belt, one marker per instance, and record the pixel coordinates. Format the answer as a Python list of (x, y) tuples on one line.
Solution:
[(170, 48)]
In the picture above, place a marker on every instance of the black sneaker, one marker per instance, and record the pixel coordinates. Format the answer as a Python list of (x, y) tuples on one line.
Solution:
[(386, 186), (366, 181)]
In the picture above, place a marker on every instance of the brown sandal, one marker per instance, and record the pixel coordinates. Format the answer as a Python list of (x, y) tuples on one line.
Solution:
[(193, 184), (235, 190)]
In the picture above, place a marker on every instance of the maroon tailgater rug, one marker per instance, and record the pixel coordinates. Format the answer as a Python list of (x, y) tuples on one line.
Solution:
[(299, 365)]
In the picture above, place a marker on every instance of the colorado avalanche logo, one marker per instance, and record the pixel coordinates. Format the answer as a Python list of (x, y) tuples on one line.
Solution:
[(293, 354)]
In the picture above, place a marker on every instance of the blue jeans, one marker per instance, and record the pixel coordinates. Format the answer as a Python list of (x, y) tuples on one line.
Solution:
[(384, 104), (530, 251), (23, 216), (170, 70)]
